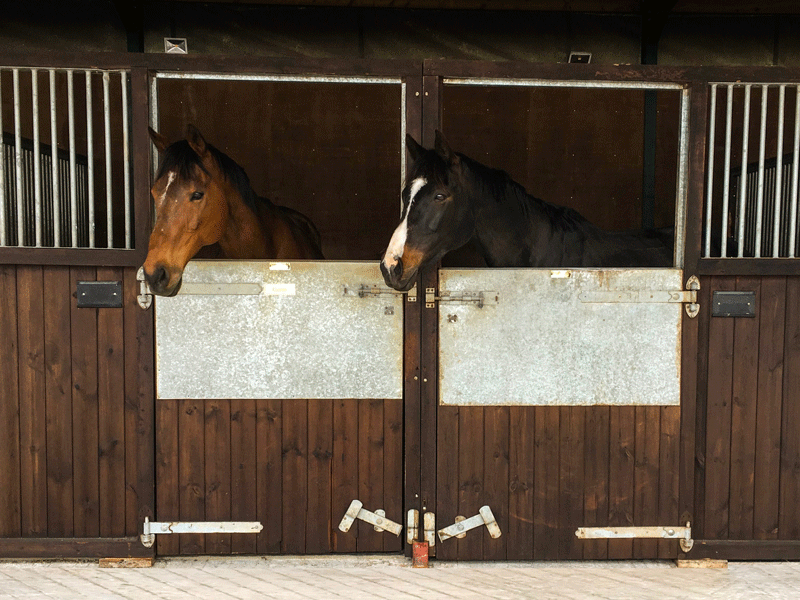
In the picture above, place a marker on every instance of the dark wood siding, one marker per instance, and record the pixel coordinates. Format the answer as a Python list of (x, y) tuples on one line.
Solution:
[(293, 465), (72, 404), (748, 458)]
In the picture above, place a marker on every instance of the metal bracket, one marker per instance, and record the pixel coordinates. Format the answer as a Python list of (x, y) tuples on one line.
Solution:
[(150, 530), (683, 534), (145, 297), (373, 291), (481, 299), (412, 526), (429, 527), (377, 519), (687, 297), (460, 527)]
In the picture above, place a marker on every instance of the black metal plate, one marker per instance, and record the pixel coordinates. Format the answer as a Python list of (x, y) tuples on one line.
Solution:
[(99, 294), (733, 304)]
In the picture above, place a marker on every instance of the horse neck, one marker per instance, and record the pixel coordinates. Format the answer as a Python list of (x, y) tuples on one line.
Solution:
[(244, 236)]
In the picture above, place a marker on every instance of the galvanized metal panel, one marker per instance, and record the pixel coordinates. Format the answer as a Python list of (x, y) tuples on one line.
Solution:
[(542, 345), (317, 338)]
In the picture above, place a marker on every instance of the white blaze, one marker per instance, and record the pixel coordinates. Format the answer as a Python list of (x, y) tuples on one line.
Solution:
[(398, 242), (170, 179)]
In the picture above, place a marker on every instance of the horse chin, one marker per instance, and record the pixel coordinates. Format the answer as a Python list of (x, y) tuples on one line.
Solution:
[(169, 292)]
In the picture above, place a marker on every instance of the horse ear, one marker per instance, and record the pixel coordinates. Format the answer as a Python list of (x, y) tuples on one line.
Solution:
[(160, 141), (196, 140), (413, 147), (443, 149)]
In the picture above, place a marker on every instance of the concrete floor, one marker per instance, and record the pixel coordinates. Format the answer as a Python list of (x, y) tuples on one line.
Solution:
[(391, 578)]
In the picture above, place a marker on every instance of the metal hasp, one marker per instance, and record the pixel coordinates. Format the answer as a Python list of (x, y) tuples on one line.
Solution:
[(412, 525), (377, 519), (683, 534), (480, 299), (687, 297), (460, 528), (429, 528), (374, 291), (145, 297), (150, 530)]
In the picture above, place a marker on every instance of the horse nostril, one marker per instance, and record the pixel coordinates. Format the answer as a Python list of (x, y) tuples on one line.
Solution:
[(158, 278), (397, 269)]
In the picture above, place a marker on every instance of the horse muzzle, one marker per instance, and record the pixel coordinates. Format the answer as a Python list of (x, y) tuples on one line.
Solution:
[(398, 278), (158, 280)]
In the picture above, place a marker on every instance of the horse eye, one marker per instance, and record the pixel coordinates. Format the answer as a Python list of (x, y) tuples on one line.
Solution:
[(197, 196), (439, 197)]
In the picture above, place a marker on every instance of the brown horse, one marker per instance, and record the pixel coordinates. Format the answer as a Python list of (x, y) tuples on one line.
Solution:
[(202, 197)]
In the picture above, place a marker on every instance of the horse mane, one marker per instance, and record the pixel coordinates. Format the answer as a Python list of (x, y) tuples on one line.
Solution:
[(180, 157), (498, 184)]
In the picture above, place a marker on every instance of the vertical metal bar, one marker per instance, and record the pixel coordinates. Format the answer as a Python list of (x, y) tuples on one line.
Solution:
[(743, 178), (683, 160), (18, 159), (726, 184), (760, 188), (126, 160), (90, 158), (73, 182), (776, 223), (2, 171), (54, 160), (37, 159), (154, 122), (403, 129), (107, 121), (710, 170), (795, 169)]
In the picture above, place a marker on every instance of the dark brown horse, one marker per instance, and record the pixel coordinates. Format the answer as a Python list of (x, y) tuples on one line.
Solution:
[(202, 197), (451, 199)]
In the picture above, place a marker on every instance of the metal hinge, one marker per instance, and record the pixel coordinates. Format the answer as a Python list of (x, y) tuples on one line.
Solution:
[(429, 527), (373, 291), (150, 530), (145, 297), (481, 299), (687, 297), (462, 525), (377, 519), (683, 534)]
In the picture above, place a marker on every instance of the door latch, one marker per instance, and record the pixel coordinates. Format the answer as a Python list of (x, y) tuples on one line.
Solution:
[(480, 299), (150, 530), (145, 297), (683, 534), (462, 526), (377, 519)]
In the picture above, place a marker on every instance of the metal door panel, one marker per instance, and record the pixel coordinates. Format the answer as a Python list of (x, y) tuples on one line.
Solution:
[(279, 330), (548, 341)]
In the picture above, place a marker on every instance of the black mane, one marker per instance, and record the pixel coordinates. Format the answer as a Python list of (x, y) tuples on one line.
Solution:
[(497, 184), (180, 157)]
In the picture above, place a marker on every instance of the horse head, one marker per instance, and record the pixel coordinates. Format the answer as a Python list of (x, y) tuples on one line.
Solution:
[(191, 208), (437, 216)]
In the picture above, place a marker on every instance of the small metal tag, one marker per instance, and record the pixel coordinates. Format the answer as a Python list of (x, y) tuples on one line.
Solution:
[(733, 304), (99, 294)]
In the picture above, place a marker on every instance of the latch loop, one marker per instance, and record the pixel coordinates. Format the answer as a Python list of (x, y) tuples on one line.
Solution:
[(145, 297)]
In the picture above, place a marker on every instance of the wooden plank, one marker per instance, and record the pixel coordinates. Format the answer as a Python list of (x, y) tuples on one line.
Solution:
[(772, 321), (41, 548), (668, 470), (191, 472), (167, 469), (597, 479), (320, 446), (695, 464), (703, 563), (392, 471), (645, 476), (743, 418), (520, 474), (718, 420), (243, 473), (111, 413), (10, 509), (58, 394), (370, 464), (789, 507), (471, 474), (344, 470), (546, 484), (447, 492), (218, 469), (85, 412), (621, 468), (295, 477), (572, 493), (270, 475), (496, 478), (745, 549), (125, 563)]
